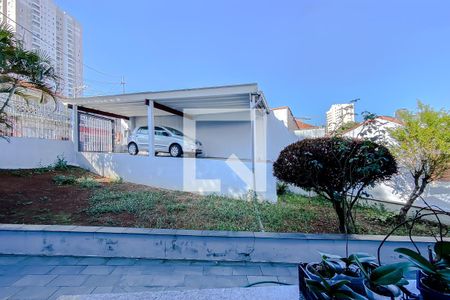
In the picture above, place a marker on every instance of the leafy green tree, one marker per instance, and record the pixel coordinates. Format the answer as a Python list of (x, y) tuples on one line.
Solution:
[(28, 74), (423, 147), (344, 127), (336, 168)]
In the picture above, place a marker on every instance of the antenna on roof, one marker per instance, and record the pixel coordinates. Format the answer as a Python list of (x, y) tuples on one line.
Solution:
[(122, 83)]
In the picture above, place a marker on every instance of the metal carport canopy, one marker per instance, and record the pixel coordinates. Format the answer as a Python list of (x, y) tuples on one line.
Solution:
[(133, 104)]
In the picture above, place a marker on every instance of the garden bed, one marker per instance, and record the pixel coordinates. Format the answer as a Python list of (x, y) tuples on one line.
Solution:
[(75, 196)]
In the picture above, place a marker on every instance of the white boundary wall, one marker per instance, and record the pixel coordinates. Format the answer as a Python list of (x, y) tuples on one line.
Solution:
[(27, 153), (162, 172), (53, 240)]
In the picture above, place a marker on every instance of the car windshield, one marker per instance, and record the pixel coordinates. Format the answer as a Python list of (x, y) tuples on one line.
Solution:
[(174, 131)]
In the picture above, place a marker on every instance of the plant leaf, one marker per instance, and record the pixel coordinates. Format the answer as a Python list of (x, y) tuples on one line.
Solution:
[(327, 256), (445, 273), (442, 249), (315, 286), (337, 285), (417, 259), (389, 274), (363, 257)]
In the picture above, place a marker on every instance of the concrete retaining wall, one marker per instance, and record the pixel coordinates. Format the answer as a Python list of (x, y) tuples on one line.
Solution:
[(167, 172), (188, 244), (27, 153)]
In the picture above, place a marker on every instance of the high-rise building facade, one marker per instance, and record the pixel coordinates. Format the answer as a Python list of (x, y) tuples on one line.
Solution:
[(339, 114), (43, 26)]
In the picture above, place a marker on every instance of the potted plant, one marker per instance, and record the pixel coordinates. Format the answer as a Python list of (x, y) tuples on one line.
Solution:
[(433, 276), (321, 270), (332, 291), (347, 269), (382, 283)]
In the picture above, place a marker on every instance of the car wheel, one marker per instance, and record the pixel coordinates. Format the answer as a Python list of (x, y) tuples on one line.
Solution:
[(175, 150), (132, 149)]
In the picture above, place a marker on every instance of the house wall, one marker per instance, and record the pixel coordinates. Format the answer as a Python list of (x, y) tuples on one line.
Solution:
[(26, 153), (282, 115), (223, 138), (378, 129), (310, 133), (278, 137), (285, 115)]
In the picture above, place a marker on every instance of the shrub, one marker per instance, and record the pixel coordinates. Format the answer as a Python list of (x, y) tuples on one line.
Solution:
[(282, 188), (117, 180), (61, 163), (338, 169), (88, 182), (64, 180)]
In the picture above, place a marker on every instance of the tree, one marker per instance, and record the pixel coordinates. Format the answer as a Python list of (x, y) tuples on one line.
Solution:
[(423, 147), (336, 168), (344, 127), (27, 74)]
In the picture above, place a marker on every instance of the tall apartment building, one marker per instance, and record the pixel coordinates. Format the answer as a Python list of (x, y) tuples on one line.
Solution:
[(339, 114), (54, 32)]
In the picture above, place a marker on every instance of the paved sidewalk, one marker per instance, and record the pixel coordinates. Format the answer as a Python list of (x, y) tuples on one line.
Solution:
[(38, 277)]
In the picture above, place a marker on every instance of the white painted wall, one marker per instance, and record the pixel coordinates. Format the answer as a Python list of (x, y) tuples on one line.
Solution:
[(310, 133), (285, 115), (222, 139), (26, 153), (278, 137), (167, 172), (378, 128)]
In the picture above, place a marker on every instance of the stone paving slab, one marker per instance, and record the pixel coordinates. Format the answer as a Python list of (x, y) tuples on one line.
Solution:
[(260, 293), (39, 277)]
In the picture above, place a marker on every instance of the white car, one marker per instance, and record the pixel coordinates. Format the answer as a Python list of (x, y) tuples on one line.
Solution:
[(167, 140)]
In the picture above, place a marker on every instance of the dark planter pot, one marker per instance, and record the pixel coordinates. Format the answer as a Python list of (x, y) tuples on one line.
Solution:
[(428, 293), (372, 295), (303, 289)]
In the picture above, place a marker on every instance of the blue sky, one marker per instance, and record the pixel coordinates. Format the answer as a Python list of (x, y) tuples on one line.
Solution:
[(304, 54)]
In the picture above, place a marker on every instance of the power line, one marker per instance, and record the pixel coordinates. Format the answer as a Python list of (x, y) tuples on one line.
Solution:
[(60, 51), (102, 82)]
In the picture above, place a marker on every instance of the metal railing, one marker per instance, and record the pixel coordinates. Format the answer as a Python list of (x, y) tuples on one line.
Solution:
[(50, 120), (96, 134)]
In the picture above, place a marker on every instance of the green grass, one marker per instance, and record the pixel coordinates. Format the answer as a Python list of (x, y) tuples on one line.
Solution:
[(88, 182), (292, 213), (50, 218), (110, 201), (84, 181), (166, 209), (64, 179)]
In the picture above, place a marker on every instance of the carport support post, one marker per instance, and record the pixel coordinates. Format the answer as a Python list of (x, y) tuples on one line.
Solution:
[(75, 128), (151, 126), (253, 129)]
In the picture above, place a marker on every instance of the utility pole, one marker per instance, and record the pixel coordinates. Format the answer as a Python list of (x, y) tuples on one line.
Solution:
[(122, 83), (78, 89)]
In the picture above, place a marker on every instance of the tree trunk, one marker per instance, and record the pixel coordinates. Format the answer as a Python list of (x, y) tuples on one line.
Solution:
[(416, 193), (339, 208), (11, 93)]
